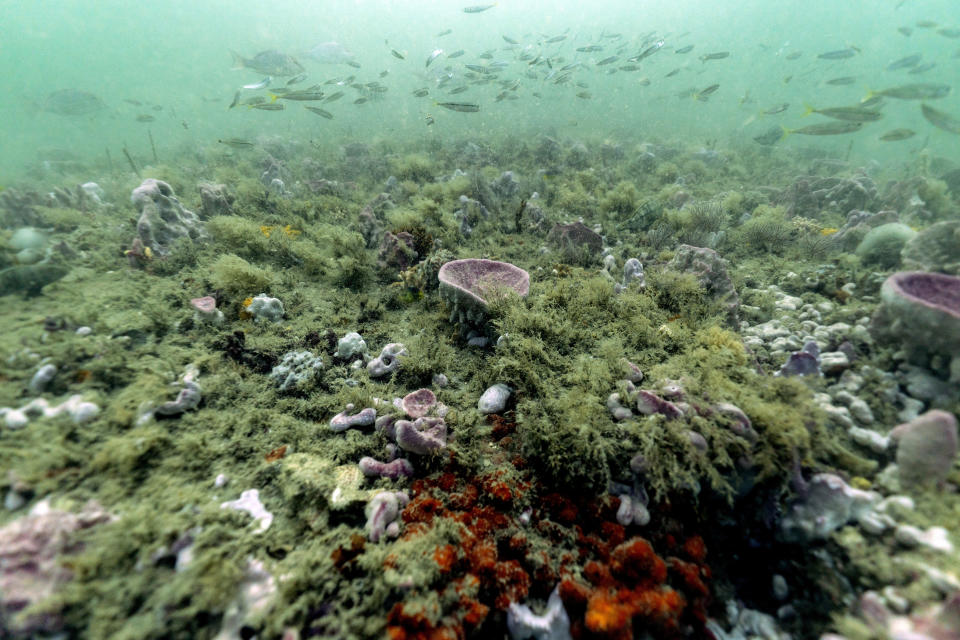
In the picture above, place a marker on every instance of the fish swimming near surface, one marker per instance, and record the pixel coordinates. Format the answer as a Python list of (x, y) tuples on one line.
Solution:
[(331, 53), (842, 81), (719, 55), (850, 114), (463, 107), (72, 102), (320, 112), (839, 54), (905, 62), (917, 91), (478, 8), (270, 63), (940, 119), (826, 129), (897, 134), (686, 49)]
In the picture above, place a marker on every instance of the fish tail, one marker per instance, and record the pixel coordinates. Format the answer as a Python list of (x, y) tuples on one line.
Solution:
[(870, 94), (238, 60), (273, 97), (808, 109), (786, 132)]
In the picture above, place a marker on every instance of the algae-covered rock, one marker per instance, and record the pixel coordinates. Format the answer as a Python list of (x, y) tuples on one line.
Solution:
[(936, 248), (882, 245)]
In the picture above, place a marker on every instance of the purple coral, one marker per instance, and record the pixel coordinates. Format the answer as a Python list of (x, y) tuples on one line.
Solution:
[(418, 403), (373, 468), (422, 436), (649, 403), (343, 420), (805, 362)]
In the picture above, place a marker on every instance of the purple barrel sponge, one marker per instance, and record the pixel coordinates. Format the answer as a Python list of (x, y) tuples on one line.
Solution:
[(468, 285), (921, 311)]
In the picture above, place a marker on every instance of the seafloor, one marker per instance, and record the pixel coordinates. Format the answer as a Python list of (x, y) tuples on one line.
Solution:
[(714, 494)]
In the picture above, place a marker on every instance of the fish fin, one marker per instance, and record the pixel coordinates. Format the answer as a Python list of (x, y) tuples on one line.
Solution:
[(273, 97), (786, 132), (808, 109), (238, 60), (870, 94)]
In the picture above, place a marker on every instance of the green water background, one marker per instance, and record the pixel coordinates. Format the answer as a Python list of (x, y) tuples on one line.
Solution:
[(176, 54)]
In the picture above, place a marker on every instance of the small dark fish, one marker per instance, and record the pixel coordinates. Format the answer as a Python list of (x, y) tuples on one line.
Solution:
[(333, 97), (319, 112), (486, 55), (905, 63), (456, 54), (720, 55), (509, 40), (946, 32), (479, 8), (686, 49), (353, 63), (479, 68), (926, 24), (919, 91), (940, 120), (157, 107), (420, 93), (360, 100), (793, 55), (897, 134), (849, 114), (185, 125), (445, 32), (457, 90), (434, 55), (396, 54), (632, 67), (135, 103), (268, 106), (842, 81), (297, 78), (671, 74), (307, 95), (463, 107), (384, 73), (608, 60), (906, 31), (590, 48), (555, 39), (649, 51), (236, 143), (145, 117), (839, 54), (778, 108), (826, 129), (270, 62), (236, 99), (704, 95), (770, 137), (922, 68), (585, 95)]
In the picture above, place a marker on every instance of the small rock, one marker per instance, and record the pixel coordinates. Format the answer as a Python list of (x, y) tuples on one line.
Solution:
[(494, 399)]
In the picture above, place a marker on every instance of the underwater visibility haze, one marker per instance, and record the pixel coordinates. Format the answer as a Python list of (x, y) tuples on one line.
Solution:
[(519, 319)]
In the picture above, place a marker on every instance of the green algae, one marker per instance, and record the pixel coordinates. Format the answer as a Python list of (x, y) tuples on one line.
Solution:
[(563, 352)]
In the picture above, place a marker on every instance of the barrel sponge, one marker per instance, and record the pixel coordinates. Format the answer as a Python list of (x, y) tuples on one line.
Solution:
[(883, 244), (921, 311)]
